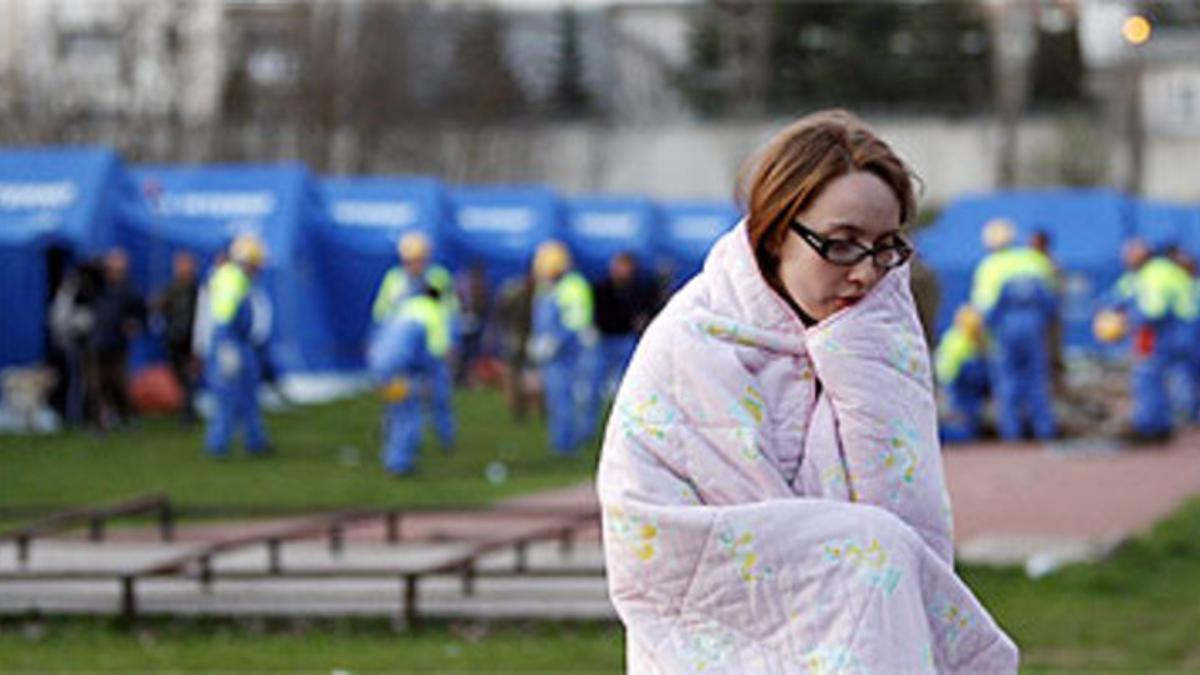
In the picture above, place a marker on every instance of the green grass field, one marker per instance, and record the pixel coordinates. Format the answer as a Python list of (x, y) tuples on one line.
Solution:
[(327, 457), (1137, 612), (91, 646)]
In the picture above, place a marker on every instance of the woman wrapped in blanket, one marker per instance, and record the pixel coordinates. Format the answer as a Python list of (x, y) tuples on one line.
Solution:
[(773, 492)]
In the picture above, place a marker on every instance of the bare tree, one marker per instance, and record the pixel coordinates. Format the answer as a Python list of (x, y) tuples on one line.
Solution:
[(1012, 26)]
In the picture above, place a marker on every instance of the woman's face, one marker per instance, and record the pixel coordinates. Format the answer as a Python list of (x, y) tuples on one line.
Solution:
[(857, 206)]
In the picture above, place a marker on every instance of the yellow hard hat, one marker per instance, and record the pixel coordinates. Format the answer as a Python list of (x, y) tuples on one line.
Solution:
[(968, 320), (1109, 326), (414, 246), (248, 249), (552, 258), (998, 233)]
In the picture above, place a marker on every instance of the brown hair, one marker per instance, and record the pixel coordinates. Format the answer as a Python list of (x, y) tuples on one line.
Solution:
[(784, 178)]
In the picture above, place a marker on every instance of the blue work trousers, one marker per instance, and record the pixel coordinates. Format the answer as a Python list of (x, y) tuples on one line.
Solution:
[(966, 396), (1151, 405), (441, 399), (234, 386), (565, 411), (402, 435), (1021, 381), (612, 358)]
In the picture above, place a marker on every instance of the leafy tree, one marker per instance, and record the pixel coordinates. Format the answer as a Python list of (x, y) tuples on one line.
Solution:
[(917, 55)]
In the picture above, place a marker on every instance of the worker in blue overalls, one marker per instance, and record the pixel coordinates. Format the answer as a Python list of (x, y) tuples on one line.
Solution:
[(1012, 289), (414, 276), (231, 361), (1176, 271), (1156, 298), (961, 369), (563, 337), (1188, 263), (402, 357)]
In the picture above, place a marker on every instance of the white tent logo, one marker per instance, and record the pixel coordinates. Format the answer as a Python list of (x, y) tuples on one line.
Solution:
[(247, 204), (375, 214), (27, 196), (495, 219), (607, 225)]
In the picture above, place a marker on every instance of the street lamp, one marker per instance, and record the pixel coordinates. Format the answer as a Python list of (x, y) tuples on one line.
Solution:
[(1136, 30)]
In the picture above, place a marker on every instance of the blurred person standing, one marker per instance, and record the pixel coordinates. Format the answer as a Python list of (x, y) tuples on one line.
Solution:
[(231, 361), (475, 317), (260, 337), (403, 354), (1183, 371), (202, 327), (72, 320), (1188, 263), (1156, 298), (514, 309), (1040, 241), (177, 308), (415, 276), (960, 365), (120, 316), (927, 292), (1013, 290), (562, 337), (625, 304)]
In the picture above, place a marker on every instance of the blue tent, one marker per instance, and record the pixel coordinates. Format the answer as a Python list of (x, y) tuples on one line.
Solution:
[(689, 231), (1086, 229), (201, 209), (501, 227), (369, 215), (597, 228), (71, 199), (1163, 224)]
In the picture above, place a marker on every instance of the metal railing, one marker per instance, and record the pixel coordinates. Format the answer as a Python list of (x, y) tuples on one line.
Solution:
[(95, 518)]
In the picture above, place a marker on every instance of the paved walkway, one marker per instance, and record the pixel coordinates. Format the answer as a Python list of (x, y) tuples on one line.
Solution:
[(1016, 501), (1039, 504)]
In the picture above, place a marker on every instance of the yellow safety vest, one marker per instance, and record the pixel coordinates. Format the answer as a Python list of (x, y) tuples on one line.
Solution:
[(428, 312), (1001, 267), (228, 288), (955, 349), (394, 289), (574, 298), (1163, 286)]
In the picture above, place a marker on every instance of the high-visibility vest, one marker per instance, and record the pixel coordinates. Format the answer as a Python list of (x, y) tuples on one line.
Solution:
[(395, 289), (954, 350), (426, 311), (1126, 286), (574, 298), (1163, 287), (998, 268), (226, 291)]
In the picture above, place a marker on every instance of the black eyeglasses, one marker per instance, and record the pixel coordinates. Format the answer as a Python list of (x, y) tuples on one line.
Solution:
[(847, 252)]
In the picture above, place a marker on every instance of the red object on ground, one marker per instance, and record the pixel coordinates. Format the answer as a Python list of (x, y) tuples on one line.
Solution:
[(155, 389), (486, 371)]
